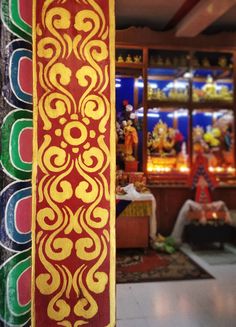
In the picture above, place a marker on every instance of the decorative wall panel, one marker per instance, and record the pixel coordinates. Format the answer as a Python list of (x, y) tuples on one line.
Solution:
[(73, 163), (16, 162)]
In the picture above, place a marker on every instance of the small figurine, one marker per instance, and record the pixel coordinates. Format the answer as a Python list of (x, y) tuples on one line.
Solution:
[(206, 63), (120, 59), (183, 61), (176, 61), (172, 94), (199, 145), (212, 137), (178, 141), (131, 139), (162, 140), (222, 62), (209, 89), (160, 95), (150, 92), (225, 94), (168, 62), (195, 62), (137, 59), (152, 61), (129, 59), (202, 180), (160, 61)]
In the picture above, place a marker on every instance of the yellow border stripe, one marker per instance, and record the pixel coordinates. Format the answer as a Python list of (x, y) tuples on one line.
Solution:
[(112, 164), (34, 161)]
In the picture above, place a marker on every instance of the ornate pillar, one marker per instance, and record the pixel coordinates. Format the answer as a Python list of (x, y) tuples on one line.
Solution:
[(73, 184), (73, 163)]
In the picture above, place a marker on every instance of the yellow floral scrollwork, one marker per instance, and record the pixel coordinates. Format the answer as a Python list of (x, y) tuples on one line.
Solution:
[(58, 19), (72, 216)]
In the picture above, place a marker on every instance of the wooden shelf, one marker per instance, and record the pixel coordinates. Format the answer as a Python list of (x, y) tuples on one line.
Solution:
[(204, 79), (159, 103), (213, 105), (129, 65), (195, 105), (212, 68), (168, 67)]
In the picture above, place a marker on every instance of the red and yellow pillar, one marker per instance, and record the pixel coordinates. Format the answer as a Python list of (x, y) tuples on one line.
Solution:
[(73, 179)]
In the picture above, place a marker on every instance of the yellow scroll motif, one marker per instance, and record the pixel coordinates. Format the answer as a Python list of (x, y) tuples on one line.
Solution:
[(73, 157)]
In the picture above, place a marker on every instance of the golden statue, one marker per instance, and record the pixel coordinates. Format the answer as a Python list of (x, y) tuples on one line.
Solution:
[(120, 59), (209, 89), (129, 59), (163, 138), (222, 61), (206, 63), (137, 59)]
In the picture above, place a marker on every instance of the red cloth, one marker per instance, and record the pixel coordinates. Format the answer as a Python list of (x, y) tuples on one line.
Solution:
[(202, 179)]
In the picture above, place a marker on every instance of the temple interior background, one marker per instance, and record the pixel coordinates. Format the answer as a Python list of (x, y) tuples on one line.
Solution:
[(156, 142), (175, 125)]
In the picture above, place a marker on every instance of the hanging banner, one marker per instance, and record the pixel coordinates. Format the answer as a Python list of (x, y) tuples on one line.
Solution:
[(73, 185)]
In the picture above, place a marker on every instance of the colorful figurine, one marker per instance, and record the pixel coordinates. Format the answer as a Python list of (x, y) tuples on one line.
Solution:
[(212, 137), (202, 180), (163, 138), (131, 139)]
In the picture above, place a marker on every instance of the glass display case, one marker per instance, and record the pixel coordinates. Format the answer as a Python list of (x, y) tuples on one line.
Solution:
[(213, 135), (167, 76), (168, 107), (212, 76), (167, 140)]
